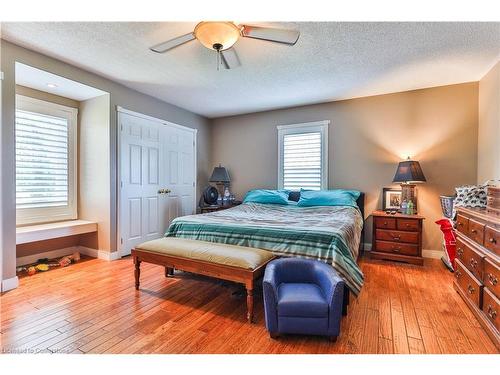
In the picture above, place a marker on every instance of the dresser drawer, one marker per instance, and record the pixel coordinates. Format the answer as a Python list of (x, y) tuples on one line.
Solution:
[(492, 239), (491, 308), (491, 276), (476, 231), (468, 283), (397, 236), (385, 223), (462, 224), (408, 224), (471, 258), (396, 248)]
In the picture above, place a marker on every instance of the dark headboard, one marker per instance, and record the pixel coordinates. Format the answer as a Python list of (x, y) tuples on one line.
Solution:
[(361, 204)]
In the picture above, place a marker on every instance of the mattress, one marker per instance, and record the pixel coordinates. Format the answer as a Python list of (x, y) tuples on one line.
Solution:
[(328, 234)]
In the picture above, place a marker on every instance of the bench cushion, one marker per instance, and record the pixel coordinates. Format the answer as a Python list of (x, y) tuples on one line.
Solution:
[(228, 255)]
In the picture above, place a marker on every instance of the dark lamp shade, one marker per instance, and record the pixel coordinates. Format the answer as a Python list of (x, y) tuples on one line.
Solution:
[(409, 171), (220, 175)]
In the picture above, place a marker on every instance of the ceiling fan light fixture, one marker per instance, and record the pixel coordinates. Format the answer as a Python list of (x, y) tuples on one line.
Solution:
[(213, 35)]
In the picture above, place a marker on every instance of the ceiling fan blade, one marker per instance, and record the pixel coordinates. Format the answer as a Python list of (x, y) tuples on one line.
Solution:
[(289, 37), (172, 43), (230, 58)]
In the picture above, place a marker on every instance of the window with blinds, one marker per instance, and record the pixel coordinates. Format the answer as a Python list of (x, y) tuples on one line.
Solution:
[(45, 165), (303, 156), (302, 161)]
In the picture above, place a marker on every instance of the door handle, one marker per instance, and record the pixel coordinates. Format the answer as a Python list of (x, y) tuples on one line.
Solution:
[(164, 191)]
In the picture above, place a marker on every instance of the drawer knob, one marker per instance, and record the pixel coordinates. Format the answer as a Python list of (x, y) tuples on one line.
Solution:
[(460, 224), (492, 279), (396, 238), (492, 313), (492, 240), (396, 249), (460, 251), (473, 263), (385, 222), (458, 274), (471, 289), (473, 231)]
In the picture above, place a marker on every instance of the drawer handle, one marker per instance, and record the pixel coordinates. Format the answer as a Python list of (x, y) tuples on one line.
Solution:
[(396, 249), (385, 222), (460, 251), (492, 313), (492, 279), (460, 224), (396, 238), (473, 231), (471, 289), (458, 274), (492, 240), (473, 263), (407, 225)]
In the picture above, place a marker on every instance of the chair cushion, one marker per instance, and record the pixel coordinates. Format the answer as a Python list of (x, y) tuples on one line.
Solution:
[(228, 255), (301, 300)]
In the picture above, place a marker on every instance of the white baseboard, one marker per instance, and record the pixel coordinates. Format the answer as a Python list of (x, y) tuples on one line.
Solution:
[(100, 254), (434, 254), (10, 284), (21, 261)]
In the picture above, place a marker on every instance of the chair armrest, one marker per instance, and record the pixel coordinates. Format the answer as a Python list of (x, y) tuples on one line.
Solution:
[(270, 285), (330, 282)]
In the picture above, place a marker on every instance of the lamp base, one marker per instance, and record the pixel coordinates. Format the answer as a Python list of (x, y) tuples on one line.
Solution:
[(408, 194)]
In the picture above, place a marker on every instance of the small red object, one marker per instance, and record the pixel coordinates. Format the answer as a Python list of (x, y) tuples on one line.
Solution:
[(446, 226)]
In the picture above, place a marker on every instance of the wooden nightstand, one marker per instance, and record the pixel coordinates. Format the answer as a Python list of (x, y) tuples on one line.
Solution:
[(397, 237), (207, 209)]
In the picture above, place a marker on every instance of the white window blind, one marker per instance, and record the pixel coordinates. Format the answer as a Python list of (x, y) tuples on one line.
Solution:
[(41, 160), (45, 161), (302, 161), (303, 156)]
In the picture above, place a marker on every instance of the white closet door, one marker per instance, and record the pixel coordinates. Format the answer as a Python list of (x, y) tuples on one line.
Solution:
[(154, 156), (179, 160), (141, 219)]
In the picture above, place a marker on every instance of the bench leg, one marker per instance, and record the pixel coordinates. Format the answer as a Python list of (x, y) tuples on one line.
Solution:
[(249, 305), (137, 272), (169, 271)]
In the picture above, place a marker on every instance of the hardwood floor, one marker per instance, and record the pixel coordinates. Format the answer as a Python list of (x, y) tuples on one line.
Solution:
[(92, 307)]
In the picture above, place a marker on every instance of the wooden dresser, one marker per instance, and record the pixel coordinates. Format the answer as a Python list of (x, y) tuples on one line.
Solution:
[(397, 237), (477, 271)]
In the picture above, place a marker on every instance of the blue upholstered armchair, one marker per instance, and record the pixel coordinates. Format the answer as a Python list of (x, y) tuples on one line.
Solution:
[(302, 296)]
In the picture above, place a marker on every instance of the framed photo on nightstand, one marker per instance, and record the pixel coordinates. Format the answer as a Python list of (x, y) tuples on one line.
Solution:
[(391, 199)]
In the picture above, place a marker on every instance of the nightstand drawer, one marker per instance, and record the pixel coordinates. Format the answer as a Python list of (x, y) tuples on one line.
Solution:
[(470, 258), (396, 248), (471, 287), (408, 224), (491, 308), (397, 236), (385, 223)]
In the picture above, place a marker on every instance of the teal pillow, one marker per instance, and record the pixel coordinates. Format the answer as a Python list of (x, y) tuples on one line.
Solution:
[(337, 197), (267, 196)]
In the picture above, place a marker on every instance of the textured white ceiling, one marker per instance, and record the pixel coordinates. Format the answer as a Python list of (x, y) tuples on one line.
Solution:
[(331, 60)]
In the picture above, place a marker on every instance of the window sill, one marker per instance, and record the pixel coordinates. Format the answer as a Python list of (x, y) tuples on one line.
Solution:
[(49, 231)]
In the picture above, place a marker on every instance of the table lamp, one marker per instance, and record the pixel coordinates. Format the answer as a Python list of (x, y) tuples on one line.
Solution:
[(221, 178), (408, 174)]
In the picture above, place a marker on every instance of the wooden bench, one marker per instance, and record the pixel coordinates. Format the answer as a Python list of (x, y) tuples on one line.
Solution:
[(228, 262)]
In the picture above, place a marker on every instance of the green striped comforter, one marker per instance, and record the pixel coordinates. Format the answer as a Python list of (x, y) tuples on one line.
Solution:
[(328, 234)]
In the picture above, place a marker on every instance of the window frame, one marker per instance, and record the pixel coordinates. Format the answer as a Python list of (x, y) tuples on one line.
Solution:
[(38, 215), (303, 128)]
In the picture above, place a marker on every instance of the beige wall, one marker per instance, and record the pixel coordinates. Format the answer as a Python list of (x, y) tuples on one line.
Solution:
[(48, 97), (119, 95), (94, 167), (488, 166), (367, 138)]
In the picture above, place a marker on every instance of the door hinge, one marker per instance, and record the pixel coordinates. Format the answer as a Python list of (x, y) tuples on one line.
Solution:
[(121, 241), (193, 183), (121, 184), (121, 127)]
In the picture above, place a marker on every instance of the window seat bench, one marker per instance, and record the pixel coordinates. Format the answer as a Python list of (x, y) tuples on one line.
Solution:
[(42, 232)]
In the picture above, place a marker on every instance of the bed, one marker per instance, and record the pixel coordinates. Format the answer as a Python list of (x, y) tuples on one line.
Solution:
[(328, 234)]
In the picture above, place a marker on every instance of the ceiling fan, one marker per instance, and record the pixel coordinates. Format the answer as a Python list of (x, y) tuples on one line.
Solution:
[(221, 37)]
